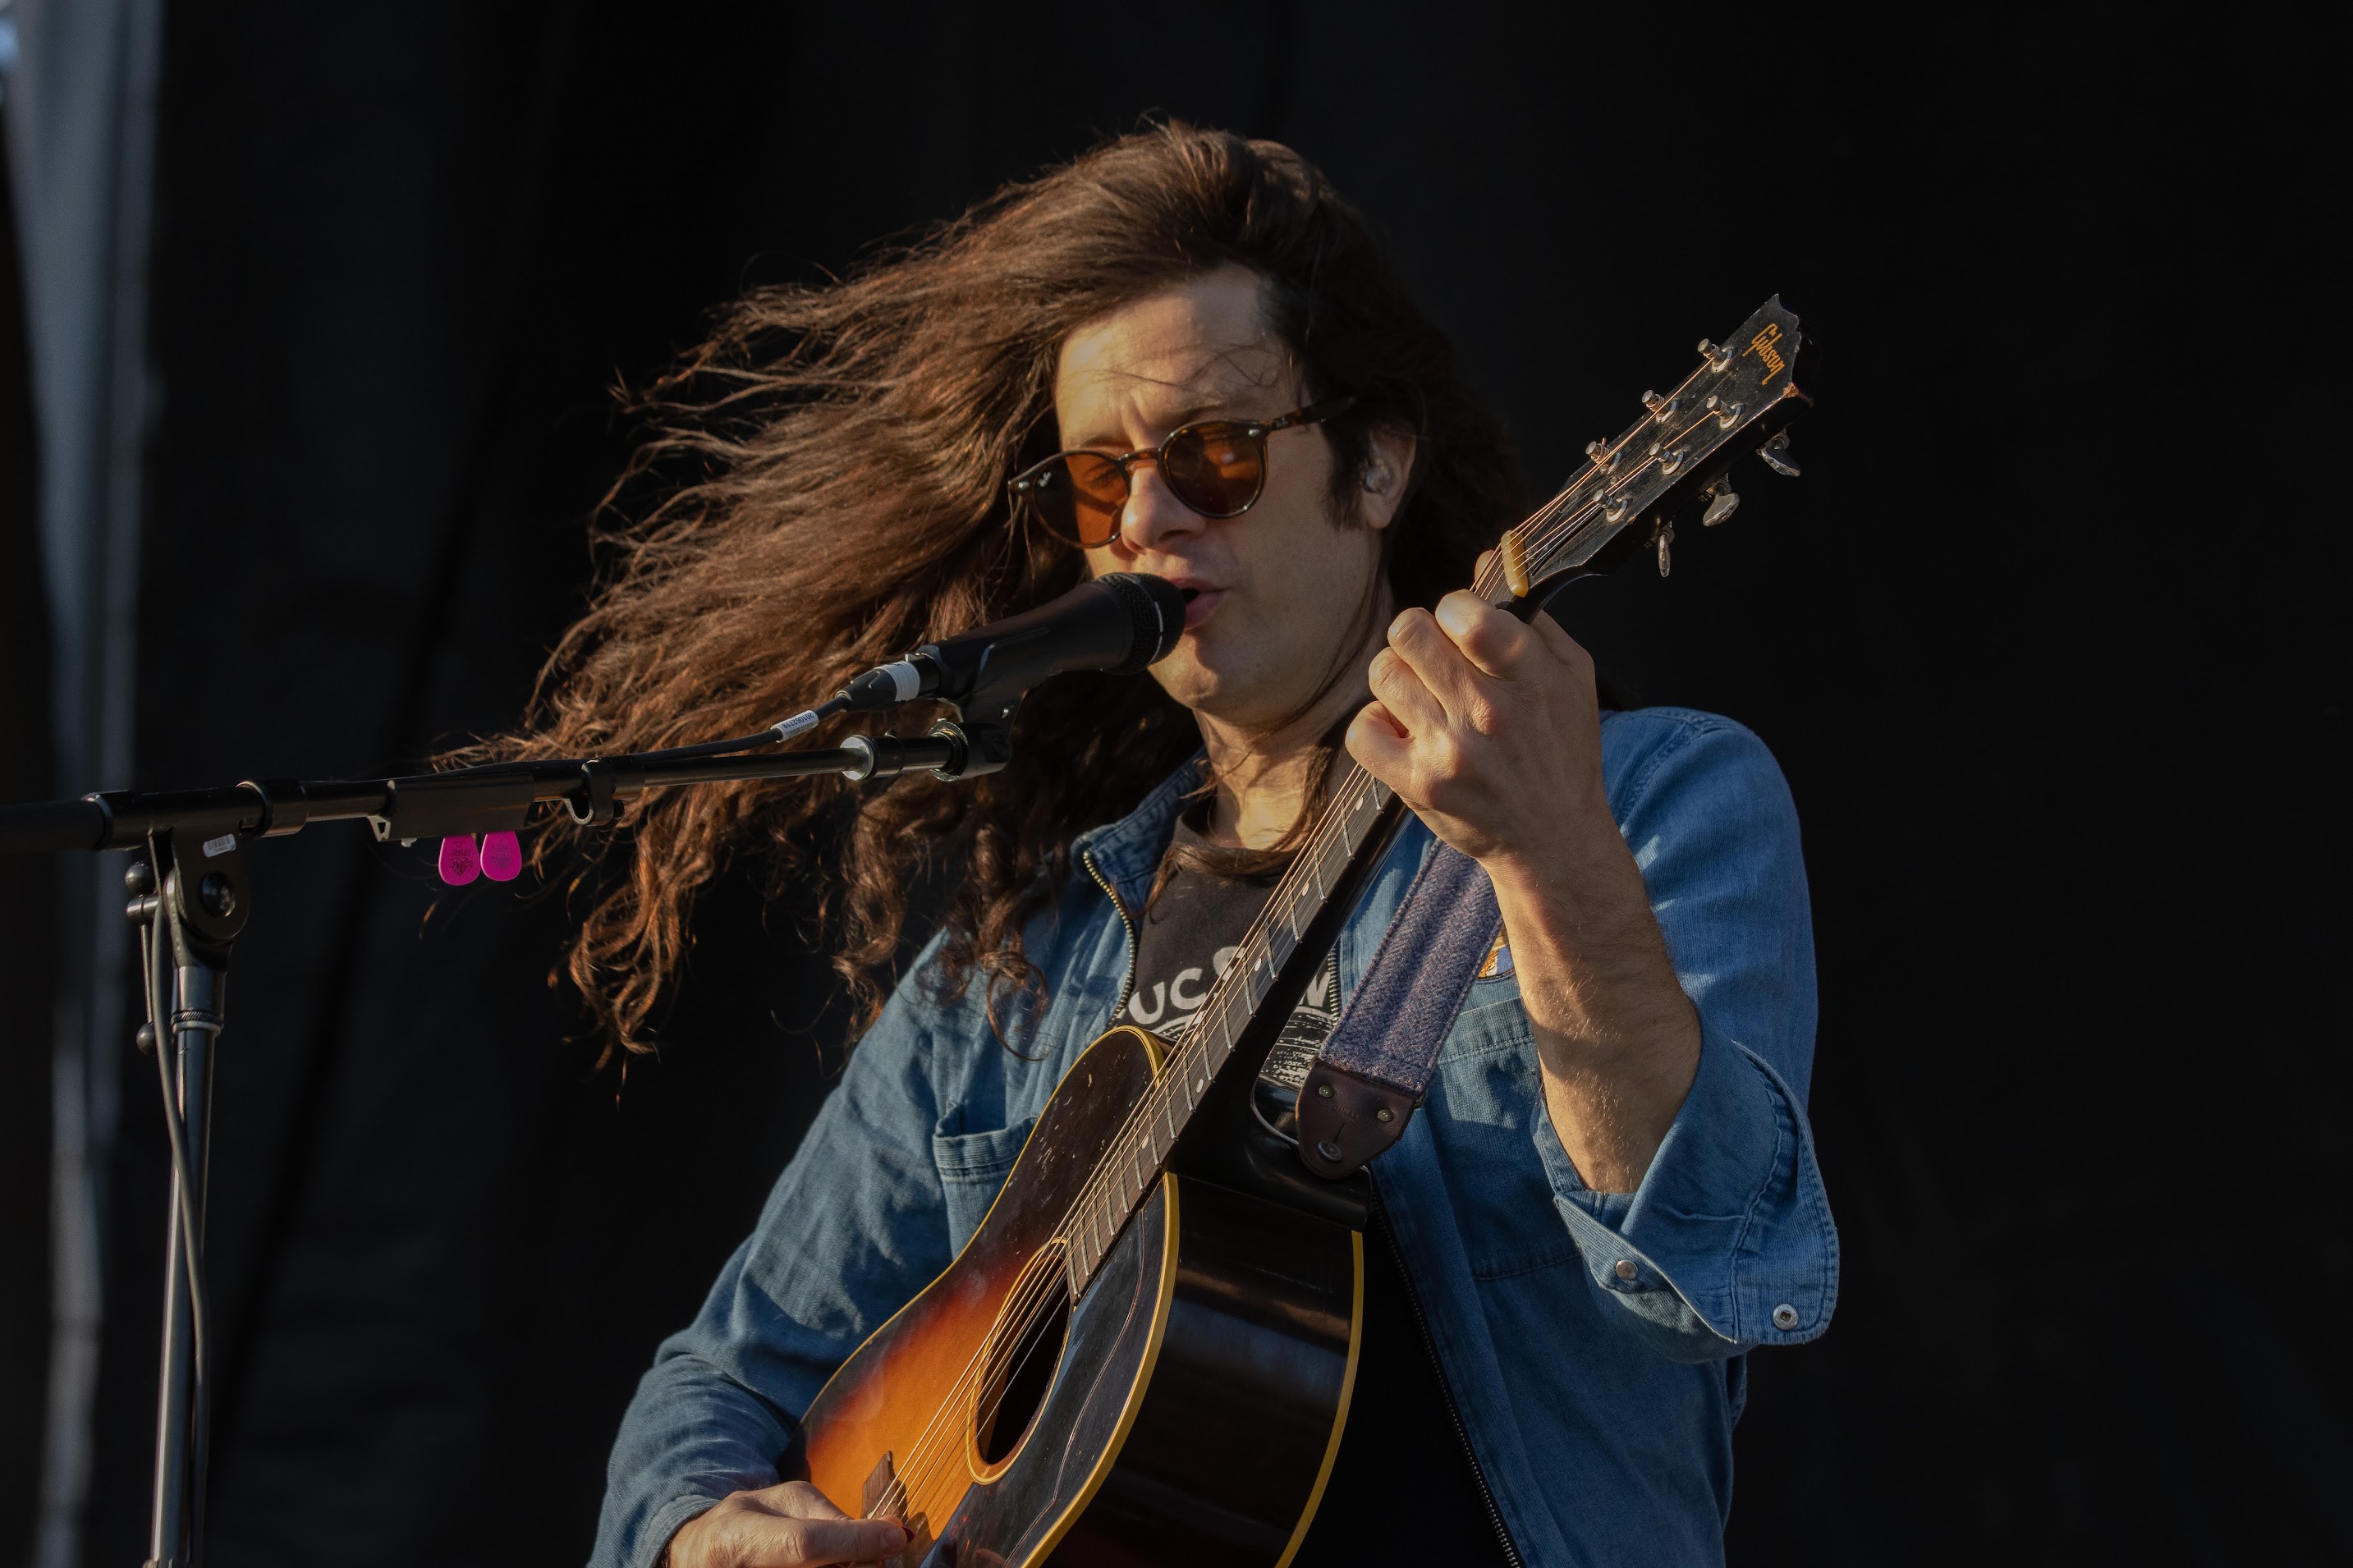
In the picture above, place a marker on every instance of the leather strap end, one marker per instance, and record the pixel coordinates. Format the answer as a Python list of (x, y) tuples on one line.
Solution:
[(1345, 1118)]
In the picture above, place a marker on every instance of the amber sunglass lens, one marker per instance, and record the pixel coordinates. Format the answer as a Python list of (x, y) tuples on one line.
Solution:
[(1079, 496), (1217, 469)]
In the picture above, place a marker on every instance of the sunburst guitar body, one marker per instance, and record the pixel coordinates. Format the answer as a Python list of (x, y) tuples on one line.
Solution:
[(1185, 1407)]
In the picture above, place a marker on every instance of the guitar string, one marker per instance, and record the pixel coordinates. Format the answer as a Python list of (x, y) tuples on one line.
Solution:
[(926, 1456), (1550, 526)]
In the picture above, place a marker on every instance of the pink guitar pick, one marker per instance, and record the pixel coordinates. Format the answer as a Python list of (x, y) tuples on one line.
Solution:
[(459, 864), (501, 857)]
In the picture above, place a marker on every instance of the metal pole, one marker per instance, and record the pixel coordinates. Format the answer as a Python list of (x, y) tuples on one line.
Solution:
[(189, 952)]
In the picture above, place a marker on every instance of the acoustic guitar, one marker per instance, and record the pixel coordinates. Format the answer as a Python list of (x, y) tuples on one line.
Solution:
[(1144, 1353)]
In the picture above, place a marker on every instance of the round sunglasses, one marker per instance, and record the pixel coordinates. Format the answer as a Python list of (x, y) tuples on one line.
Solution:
[(1218, 468)]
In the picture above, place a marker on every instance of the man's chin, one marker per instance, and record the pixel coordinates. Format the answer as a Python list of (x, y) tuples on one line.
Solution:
[(1193, 681), (1240, 686)]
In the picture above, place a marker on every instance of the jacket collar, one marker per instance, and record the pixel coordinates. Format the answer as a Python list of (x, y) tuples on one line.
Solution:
[(1127, 853)]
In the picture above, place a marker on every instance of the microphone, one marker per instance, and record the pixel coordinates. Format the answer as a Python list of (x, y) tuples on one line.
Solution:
[(1119, 623)]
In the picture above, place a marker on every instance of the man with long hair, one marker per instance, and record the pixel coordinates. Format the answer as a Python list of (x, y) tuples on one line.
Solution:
[(1184, 355)]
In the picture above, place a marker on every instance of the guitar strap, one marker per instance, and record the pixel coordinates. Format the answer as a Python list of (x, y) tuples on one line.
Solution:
[(1376, 1062)]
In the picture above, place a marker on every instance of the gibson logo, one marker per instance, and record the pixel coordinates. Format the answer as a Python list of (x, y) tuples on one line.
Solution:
[(1762, 345)]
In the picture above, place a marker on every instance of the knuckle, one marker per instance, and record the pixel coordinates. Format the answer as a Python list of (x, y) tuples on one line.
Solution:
[(807, 1538), (1461, 622)]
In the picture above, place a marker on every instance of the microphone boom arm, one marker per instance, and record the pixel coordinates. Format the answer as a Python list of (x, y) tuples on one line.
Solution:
[(489, 799)]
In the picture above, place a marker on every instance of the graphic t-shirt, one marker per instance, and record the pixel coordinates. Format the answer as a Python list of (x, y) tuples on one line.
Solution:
[(1184, 942), (1402, 1489)]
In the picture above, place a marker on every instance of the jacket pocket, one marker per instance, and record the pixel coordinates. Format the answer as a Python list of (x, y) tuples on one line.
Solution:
[(973, 1167)]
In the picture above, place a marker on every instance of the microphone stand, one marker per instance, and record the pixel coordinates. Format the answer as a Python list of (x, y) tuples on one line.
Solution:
[(190, 900)]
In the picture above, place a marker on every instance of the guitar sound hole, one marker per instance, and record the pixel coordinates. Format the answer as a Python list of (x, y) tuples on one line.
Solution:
[(1020, 1370)]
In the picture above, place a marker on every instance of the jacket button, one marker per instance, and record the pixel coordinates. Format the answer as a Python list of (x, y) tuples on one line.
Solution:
[(1626, 1269), (1785, 1316)]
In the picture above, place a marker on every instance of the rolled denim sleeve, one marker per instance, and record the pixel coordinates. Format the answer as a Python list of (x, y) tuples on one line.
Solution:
[(1728, 1243), (855, 1227)]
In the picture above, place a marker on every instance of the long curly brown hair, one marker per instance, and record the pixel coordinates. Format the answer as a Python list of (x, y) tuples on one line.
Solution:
[(825, 484)]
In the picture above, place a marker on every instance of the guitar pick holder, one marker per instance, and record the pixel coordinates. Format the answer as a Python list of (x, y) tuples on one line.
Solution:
[(192, 895)]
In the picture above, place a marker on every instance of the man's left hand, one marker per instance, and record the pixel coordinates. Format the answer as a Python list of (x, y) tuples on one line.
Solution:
[(1489, 728)]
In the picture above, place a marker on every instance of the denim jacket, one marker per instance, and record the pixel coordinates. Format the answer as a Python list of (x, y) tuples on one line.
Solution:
[(1591, 1341)]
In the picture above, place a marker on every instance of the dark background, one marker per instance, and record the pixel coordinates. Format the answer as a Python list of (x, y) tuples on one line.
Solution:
[(2048, 639)]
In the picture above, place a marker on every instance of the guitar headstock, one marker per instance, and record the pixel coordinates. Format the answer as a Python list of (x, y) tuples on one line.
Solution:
[(1676, 459)]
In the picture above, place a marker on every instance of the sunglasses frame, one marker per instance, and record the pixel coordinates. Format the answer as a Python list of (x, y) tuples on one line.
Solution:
[(1022, 487)]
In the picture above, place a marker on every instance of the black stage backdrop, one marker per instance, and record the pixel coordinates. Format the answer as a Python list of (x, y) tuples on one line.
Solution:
[(2046, 639), (28, 922)]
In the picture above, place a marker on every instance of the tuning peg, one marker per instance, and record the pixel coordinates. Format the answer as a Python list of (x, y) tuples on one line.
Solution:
[(1717, 355), (1663, 534), (1723, 506), (1727, 415), (1601, 456), (1776, 454), (1664, 408)]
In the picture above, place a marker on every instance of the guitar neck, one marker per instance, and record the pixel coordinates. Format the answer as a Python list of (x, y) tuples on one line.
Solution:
[(1349, 821)]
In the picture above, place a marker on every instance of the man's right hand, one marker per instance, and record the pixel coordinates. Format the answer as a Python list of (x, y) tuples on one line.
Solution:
[(783, 1526)]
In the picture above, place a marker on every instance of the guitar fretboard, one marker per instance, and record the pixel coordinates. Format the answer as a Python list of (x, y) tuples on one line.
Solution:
[(1136, 1158), (1353, 805)]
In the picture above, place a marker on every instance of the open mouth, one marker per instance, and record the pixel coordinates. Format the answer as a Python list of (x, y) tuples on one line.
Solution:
[(1199, 603)]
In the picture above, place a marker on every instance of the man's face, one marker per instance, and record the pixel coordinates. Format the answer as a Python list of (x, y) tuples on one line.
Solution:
[(1276, 594)]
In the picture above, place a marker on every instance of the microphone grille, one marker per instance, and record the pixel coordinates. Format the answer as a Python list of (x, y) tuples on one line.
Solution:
[(1157, 611)]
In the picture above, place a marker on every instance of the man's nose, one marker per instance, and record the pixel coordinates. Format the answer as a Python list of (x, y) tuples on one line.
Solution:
[(1154, 515)]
